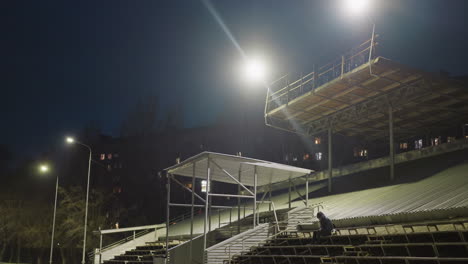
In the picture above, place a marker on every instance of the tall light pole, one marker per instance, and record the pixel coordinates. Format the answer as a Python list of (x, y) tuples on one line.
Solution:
[(43, 168), (360, 7), (71, 140)]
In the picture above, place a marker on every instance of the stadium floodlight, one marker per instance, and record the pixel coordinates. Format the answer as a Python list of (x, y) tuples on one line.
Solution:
[(255, 70), (357, 6), (69, 140)]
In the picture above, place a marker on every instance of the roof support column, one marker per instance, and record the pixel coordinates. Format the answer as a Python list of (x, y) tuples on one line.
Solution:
[(255, 197), (192, 212), (307, 190), (205, 223), (330, 159), (239, 201), (168, 192), (392, 150), (289, 193)]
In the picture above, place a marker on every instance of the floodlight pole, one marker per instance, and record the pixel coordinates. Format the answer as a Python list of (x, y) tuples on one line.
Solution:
[(239, 200), (53, 222), (371, 49)]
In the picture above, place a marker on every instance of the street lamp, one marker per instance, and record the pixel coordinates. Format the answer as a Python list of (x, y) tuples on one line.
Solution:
[(44, 168), (71, 140)]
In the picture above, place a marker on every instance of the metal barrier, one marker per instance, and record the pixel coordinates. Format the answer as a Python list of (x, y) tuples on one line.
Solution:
[(349, 61)]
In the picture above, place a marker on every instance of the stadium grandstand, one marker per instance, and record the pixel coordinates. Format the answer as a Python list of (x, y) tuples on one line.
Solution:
[(408, 208)]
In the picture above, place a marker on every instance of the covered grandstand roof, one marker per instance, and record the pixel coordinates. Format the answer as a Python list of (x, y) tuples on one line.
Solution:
[(267, 172), (356, 102)]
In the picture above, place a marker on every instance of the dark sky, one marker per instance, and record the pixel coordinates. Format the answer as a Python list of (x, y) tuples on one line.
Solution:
[(66, 63)]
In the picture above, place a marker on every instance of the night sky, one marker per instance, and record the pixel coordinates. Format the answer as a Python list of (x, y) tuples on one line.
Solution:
[(66, 63)]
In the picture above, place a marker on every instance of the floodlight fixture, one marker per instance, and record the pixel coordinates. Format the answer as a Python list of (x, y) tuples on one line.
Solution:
[(356, 7), (255, 70)]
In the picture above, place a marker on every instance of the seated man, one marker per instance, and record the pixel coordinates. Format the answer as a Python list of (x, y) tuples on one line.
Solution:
[(326, 227)]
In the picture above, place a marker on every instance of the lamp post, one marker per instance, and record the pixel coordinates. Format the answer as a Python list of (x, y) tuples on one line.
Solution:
[(43, 168), (71, 140)]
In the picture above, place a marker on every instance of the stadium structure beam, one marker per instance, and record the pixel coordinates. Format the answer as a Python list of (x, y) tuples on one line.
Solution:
[(392, 151), (330, 157)]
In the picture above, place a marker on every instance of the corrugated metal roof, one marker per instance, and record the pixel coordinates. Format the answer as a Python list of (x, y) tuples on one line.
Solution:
[(445, 190)]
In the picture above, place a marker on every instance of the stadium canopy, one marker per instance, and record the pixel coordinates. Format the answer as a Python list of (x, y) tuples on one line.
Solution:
[(247, 173), (241, 169)]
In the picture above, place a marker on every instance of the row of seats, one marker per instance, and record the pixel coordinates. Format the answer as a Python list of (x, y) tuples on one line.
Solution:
[(441, 247), (142, 254)]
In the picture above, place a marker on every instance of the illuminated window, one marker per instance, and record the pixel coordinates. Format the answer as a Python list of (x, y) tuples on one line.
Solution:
[(109, 156), (318, 156), (306, 156), (177, 160), (363, 153), (239, 154), (188, 185), (418, 144), (318, 140), (203, 185), (103, 156), (450, 139), (404, 145)]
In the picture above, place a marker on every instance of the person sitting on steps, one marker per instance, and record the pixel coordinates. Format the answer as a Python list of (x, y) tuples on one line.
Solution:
[(326, 227)]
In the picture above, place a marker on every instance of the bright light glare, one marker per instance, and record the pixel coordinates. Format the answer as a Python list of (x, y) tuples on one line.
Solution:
[(43, 168), (255, 70), (356, 6), (70, 140)]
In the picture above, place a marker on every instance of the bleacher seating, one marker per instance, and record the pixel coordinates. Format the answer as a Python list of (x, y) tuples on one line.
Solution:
[(142, 254), (414, 243)]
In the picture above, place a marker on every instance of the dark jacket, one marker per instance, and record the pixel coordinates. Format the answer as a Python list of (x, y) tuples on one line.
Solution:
[(326, 225)]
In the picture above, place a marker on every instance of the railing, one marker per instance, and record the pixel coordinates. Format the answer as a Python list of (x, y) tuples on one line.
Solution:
[(336, 69), (243, 242)]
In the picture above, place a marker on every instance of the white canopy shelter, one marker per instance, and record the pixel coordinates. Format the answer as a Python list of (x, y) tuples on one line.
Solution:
[(247, 173), (267, 172)]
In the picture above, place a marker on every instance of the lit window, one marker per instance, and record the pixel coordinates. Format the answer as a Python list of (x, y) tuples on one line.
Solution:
[(318, 156), (418, 144), (188, 185), (437, 141), (177, 160), (103, 156), (404, 145), (239, 154), (450, 139), (363, 153), (318, 140), (109, 156), (306, 156), (203, 186)]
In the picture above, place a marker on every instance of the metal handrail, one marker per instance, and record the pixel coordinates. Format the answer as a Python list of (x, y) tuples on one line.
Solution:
[(327, 73)]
